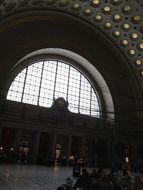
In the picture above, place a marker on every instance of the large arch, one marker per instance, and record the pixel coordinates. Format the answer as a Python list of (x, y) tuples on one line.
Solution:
[(95, 77), (108, 34), (96, 48)]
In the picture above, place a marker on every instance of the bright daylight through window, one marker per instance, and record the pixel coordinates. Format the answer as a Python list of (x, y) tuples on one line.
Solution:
[(42, 82)]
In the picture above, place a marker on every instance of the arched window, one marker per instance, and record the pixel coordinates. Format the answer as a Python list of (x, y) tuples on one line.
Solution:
[(43, 81)]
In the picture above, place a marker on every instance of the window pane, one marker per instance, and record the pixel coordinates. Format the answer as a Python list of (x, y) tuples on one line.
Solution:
[(61, 80), (47, 83), (73, 90), (94, 105), (48, 79), (32, 83), (16, 88)]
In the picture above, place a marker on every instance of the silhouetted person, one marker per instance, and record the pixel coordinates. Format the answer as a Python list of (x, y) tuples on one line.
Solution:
[(76, 170), (84, 181)]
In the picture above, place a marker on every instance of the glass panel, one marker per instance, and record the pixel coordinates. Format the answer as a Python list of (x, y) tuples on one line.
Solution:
[(47, 83), (85, 94), (32, 83), (73, 90), (61, 80), (94, 105), (46, 79), (16, 88)]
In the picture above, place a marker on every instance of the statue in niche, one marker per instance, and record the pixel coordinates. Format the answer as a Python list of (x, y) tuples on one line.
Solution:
[(60, 103)]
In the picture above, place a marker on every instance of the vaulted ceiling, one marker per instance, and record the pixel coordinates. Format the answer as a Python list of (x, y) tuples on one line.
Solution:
[(108, 33)]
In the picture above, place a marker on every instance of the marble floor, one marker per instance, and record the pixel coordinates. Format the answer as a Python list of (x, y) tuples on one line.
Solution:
[(29, 177)]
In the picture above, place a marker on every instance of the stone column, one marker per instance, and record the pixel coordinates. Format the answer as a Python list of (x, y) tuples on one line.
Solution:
[(109, 152), (35, 147), (69, 148), (136, 158), (69, 145), (113, 143), (18, 140), (54, 142), (83, 145), (0, 135), (95, 153), (84, 151)]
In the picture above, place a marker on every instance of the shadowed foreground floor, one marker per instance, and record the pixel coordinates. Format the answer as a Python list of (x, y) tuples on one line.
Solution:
[(25, 177)]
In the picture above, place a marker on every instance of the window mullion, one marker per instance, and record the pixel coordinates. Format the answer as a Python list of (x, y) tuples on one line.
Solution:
[(24, 84), (55, 81), (68, 84), (79, 94), (40, 83)]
